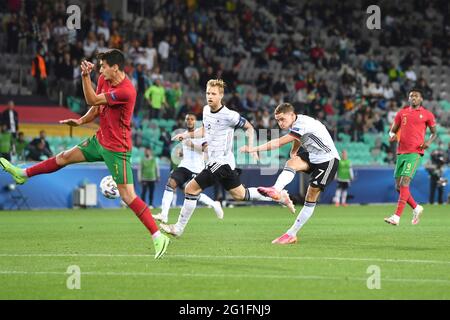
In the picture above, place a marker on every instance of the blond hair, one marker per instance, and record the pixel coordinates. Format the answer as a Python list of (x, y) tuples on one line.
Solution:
[(217, 83), (284, 108)]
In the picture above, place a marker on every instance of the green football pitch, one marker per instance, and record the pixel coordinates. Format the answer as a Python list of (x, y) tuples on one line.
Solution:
[(342, 253)]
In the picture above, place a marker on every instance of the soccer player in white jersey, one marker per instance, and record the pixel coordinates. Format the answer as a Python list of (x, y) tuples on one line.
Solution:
[(192, 163), (318, 157), (219, 124)]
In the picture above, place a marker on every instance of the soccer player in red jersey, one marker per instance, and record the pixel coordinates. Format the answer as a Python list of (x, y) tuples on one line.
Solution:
[(412, 122), (113, 103)]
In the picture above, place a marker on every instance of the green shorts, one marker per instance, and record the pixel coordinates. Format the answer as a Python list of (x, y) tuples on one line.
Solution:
[(118, 163), (407, 165)]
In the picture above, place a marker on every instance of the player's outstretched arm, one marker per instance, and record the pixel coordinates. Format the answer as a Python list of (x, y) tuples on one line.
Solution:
[(272, 144), (197, 133), (88, 117), (89, 94)]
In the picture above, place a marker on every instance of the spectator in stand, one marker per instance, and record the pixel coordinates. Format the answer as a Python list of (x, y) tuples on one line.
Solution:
[(13, 34), (148, 175), (6, 142), (90, 45), (371, 68), (163, 52), (142, 82), (156, 97), (38, 152), (10, 118), (20, 145), (173, 98), (192, 75), (425, 88), (39, 72), (40, 144)]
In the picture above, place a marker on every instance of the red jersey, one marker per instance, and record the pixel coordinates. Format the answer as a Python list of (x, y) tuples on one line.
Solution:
[(114, 133), (413, 124)]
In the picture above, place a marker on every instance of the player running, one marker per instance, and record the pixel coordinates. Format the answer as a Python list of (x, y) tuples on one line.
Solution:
[(410, 125), (113, 102), (318, 157), (193, 162), (219, 124)]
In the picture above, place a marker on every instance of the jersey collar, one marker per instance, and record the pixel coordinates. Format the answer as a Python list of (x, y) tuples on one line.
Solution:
[(217, 109), (418, 109)]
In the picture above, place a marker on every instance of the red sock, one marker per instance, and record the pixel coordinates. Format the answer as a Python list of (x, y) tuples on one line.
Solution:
[(46, 166), (412, 203), (144, 214), (403, 198)]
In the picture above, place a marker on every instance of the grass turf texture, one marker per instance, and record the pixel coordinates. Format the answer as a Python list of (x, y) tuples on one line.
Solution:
[(229, 259)]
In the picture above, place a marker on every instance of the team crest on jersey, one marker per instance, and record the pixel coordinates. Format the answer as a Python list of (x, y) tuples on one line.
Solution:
[(420, 116), (208, 126), (404, 121)]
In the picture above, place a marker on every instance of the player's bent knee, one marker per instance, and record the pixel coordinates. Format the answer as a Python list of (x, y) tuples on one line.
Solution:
[(126, 194), (238, 193), (192, 188), (66, 157), (172, 183)]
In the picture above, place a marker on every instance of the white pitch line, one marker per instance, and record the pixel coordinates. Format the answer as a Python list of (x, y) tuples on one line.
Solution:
[(107, 255), (220, 275)]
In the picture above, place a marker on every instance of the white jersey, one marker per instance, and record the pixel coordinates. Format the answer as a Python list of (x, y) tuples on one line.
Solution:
[(193, 160), (219, 131), (315, 139)]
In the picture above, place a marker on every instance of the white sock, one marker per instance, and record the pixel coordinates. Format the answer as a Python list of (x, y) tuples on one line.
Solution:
[(344, 196), (306, 213), (253, 194), (337, 196), (174, 201), (166, 201), (285, 177), (204, 199), (189, 205)]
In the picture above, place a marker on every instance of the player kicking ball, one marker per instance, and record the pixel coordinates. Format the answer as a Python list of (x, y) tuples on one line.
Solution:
[(192, 164), (319, 158), (410, 125), (219, 124), (113, 103)]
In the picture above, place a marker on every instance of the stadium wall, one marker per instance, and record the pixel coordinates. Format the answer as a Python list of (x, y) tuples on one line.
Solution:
[(54, 191)]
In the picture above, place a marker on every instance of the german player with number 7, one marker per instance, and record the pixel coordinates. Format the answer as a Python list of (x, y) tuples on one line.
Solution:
[(318, 157)]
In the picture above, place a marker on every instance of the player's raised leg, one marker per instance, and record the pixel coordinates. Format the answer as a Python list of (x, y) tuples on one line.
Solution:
[(50, 165), (286, 176)]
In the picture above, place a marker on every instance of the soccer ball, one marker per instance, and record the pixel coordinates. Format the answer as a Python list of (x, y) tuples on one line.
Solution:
[(109, 188)]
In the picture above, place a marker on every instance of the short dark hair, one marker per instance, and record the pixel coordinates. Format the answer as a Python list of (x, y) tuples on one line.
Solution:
[(416, 90), (190, 113), (112, 57)]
